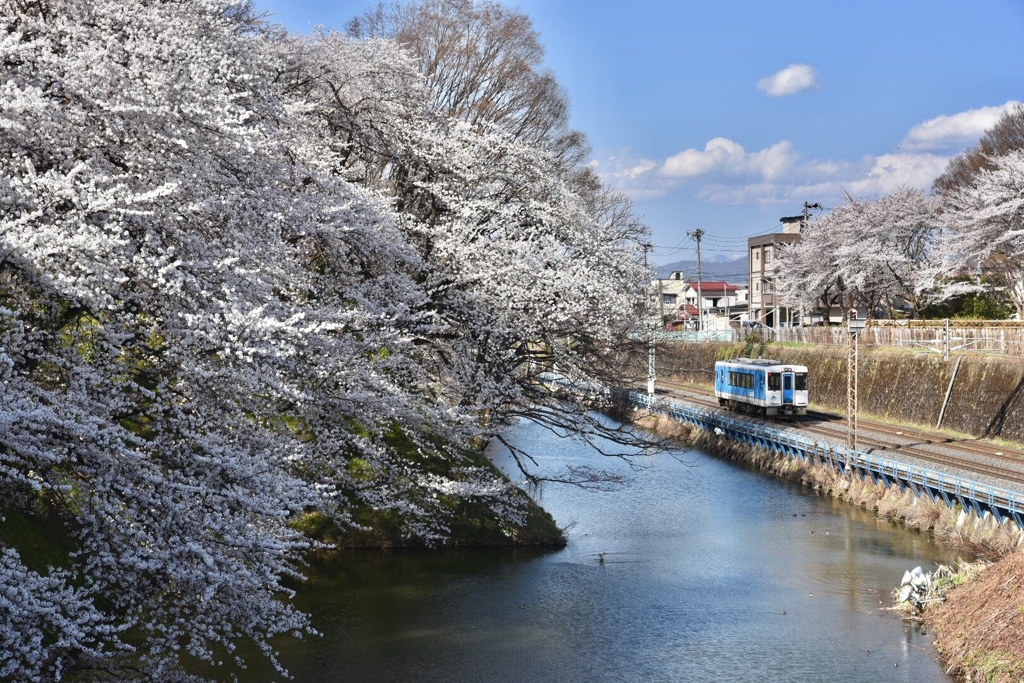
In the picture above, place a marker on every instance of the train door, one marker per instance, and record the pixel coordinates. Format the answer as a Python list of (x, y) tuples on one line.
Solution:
[(787, 388)]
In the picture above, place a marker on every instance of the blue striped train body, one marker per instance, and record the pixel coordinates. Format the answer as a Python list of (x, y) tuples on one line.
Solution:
[(761, 386)]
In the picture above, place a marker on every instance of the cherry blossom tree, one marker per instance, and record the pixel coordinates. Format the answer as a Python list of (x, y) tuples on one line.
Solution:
[(202, 334), (245, 276), (877, 254), (1004, 137), (132, 222), (985, 225), (545, 264), (525, 260)]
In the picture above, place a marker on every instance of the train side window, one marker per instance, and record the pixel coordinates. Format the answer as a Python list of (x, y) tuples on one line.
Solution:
[(773, 381), (800, 381)]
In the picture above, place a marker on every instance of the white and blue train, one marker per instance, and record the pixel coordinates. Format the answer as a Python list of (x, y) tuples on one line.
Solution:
[(762, 386)]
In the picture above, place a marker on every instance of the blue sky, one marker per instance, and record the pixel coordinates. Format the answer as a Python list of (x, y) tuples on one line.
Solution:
[(728, 115)]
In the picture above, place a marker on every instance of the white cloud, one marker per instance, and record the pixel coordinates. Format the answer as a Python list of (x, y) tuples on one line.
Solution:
[(773, 161), (894, 170), (953, 131), (791, 80), (631, 174), (623, 165), (724, 173), (724, 156), (718, 153)]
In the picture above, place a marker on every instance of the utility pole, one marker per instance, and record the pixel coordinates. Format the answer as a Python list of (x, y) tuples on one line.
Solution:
[(807, 216), (697, 235), (776, 323), (650, 334), (803, 225)]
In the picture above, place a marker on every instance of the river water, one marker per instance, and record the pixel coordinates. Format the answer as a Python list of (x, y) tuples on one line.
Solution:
[(699, 570)]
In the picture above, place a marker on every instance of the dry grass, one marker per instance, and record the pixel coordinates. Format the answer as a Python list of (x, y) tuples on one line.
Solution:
[(980, 627)]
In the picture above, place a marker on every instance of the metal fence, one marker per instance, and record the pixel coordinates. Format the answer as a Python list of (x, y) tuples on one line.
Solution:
[(937, 336)]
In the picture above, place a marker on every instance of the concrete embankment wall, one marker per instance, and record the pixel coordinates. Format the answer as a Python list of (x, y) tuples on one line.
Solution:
[(901, 385)]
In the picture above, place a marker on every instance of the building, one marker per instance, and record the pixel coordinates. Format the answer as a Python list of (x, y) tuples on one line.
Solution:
[(765, 305), (717, 304), (668, 295)]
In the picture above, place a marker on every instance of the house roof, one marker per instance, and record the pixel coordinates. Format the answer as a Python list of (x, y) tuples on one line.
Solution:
[(714, 286), (687, 311)]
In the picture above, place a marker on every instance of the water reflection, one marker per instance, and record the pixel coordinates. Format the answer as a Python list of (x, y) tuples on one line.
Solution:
[(693, 573)]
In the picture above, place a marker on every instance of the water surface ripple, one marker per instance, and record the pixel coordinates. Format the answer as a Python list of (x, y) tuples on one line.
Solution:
[(698, 571)]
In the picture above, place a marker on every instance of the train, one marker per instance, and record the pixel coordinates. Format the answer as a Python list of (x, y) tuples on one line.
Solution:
[(761, 386)]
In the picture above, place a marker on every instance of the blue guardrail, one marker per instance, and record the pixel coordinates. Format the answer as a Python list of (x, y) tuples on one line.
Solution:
[(969, 495)]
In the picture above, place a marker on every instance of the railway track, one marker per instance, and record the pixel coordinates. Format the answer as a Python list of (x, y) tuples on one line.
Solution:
[(979, 459)]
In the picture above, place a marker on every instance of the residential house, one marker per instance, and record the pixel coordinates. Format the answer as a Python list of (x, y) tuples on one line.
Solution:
[(668, 295), (715, 303)]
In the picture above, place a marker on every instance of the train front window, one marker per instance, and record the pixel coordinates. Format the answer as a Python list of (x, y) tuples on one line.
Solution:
[(774, 381), (800, 381)]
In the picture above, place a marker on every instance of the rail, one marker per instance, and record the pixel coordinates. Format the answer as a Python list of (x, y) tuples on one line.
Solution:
[(1001, 503)]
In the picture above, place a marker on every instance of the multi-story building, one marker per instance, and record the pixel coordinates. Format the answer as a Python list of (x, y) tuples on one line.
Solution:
[(765, 305), (713, 303), (668, 295)]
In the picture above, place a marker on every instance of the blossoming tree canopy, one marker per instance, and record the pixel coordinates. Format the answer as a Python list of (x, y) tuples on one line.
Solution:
[(245, 276)]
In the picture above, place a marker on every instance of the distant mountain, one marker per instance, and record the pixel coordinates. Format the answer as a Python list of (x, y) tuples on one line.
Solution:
[(716, 267)]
